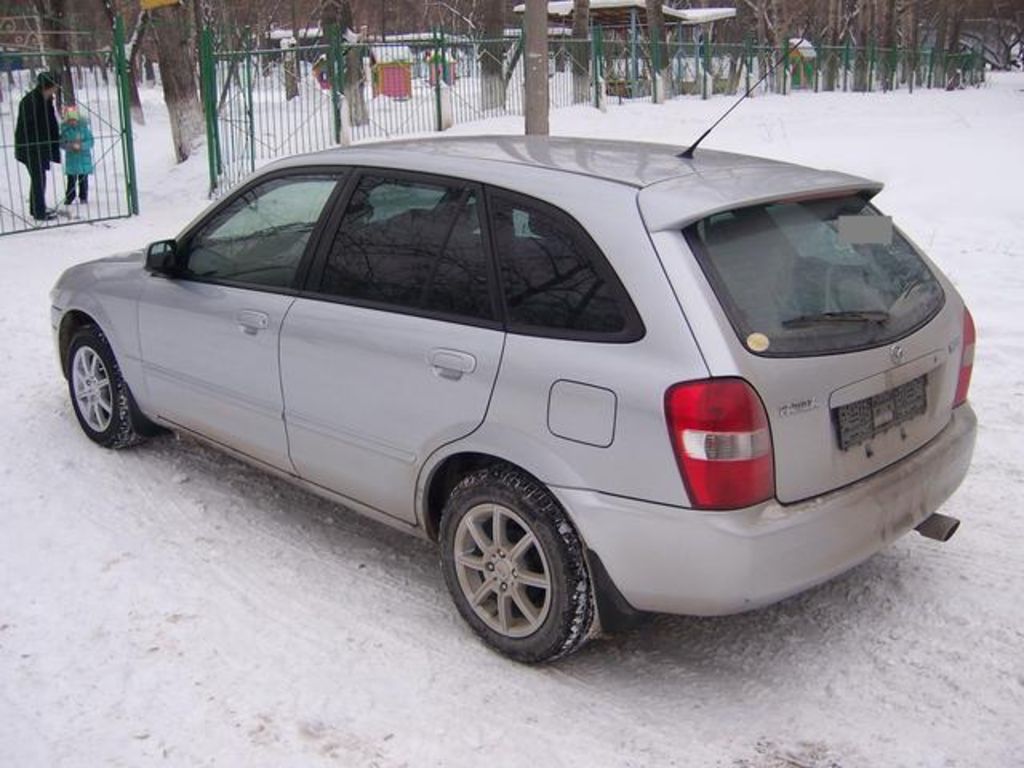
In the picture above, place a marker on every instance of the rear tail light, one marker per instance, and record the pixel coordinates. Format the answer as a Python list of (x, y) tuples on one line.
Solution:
[(720, 436), (966, 360)]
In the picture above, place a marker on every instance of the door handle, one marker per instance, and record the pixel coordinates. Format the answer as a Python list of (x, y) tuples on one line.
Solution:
[(252, 322), (451, 363)]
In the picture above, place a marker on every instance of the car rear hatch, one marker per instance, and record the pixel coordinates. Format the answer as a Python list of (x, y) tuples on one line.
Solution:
[(849, 336)]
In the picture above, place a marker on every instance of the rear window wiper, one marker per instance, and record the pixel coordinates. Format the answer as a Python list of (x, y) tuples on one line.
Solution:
[(847, 316)]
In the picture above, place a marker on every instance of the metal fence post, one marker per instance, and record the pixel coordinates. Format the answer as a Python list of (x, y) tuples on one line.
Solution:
[(786, 70), (871, 65), (439, 73), (597, 52), (250, 118), (336, 73), (208, 93), (748, 60), (846, 65), (708, 83), (910, 64), (124, 108)]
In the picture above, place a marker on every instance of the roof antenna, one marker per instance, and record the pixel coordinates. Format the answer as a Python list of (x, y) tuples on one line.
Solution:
[(688, 154)]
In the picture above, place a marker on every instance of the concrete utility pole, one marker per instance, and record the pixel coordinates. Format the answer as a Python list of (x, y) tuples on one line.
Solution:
[(536, 31)]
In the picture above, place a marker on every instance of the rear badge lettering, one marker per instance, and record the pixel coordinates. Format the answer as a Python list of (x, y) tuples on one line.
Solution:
[(802, 406)]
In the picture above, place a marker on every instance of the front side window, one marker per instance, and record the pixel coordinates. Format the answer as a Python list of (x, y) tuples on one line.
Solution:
[(815, 277), (260, 237), (553, 277), (414, 245)]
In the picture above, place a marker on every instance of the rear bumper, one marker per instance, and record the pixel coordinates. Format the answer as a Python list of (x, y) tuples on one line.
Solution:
[(675, 560)]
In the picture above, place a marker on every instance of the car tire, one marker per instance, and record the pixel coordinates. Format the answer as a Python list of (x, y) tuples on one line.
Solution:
[(526, 592), (101, 400)]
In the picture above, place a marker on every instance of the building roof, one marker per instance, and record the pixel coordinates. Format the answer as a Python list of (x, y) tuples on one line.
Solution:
[(614, 12)]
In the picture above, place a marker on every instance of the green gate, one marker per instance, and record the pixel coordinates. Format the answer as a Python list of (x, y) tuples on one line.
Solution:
[(96, 83)]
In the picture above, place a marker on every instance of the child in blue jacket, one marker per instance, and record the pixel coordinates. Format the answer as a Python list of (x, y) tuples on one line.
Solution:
[(76, 139)]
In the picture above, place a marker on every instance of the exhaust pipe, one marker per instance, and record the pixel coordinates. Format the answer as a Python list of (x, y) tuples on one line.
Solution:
[(938, 527)]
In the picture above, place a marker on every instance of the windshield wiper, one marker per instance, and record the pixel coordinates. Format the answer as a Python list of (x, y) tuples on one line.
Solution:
[(846, 316)]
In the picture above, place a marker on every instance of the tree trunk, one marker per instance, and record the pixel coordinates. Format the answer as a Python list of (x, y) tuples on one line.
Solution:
[(537, 100), (832, 41), (176, 54), (290, 60), (860, 67), (133, 54), (656, 39), (55, 25), (953, 78), (913, 42), (580, 49), (492, 56), (337, 14), (888, 53), (939, 47)]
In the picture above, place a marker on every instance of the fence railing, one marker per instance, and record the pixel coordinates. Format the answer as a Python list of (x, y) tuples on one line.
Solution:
[(82, 171), (264, 102)]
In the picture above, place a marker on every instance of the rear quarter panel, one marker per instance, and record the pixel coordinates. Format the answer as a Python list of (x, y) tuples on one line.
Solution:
[(638, 461)]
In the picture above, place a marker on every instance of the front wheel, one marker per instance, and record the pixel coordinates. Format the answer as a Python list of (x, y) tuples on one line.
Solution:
[(99, 396), (515, 566)]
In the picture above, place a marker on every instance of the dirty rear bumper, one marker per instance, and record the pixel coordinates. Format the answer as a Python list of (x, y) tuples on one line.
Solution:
[(676, 560)]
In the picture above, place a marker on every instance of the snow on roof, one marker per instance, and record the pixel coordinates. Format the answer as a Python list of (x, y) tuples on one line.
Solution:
[(284, 34), (803, 46), (683, 15), (425, 37)]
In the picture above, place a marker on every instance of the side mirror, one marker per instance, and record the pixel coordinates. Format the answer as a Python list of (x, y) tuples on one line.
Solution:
[(162, 257)]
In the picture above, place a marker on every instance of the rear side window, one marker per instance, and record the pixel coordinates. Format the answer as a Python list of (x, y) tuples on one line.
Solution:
[(413, 245), (554, 279), (815, 277)]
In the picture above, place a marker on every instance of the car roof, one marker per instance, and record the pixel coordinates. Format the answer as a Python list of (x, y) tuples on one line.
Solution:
[(676, 190)]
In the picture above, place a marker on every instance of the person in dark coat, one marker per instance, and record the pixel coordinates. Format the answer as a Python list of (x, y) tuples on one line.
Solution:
[(37, 140)]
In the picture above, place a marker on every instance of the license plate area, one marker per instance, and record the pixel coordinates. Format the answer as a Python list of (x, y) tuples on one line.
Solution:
[(858, 422)]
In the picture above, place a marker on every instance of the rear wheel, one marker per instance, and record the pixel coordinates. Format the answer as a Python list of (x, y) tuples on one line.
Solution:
[(515, 567), (99, 396)]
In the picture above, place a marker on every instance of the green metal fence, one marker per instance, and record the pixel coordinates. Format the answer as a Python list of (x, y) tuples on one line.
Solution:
[(263, 101), (96, 82)]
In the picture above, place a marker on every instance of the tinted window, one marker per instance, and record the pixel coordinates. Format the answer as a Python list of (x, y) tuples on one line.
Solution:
[(552, 275), (259, 238), (411, 244), (815, 277)]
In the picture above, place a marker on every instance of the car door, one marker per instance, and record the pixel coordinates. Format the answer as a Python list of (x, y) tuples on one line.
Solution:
[(209, 333), (395, 349)]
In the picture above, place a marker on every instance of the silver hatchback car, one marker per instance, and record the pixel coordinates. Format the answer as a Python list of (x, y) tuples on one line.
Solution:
[(606, 379)]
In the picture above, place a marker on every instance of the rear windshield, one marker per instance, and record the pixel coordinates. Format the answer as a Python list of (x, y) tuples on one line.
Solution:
[(814, 277)]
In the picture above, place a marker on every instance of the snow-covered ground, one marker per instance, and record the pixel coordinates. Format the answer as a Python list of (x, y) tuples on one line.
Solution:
[(169, 606)]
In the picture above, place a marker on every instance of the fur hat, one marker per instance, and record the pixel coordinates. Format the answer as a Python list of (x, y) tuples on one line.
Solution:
[(47, 80)]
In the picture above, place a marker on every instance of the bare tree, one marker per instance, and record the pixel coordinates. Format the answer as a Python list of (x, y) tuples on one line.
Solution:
[(581, 51), (656, 38), (492, 55), (1008, 22), (537, 103), (889, 22), (291, 58), (337, 15), (172, 27), (54, 25), (133, 49)]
